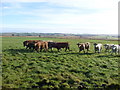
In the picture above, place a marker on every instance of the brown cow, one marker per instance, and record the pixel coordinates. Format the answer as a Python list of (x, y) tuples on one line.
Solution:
[(41, 45), (58, 45), (83, 46), (30, 43)]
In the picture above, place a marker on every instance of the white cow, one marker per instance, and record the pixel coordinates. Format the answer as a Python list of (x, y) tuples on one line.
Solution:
[(108, 47), (97, 47), (115, 49)]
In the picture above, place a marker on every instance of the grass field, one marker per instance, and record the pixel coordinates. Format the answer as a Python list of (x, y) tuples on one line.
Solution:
[(23, 68)]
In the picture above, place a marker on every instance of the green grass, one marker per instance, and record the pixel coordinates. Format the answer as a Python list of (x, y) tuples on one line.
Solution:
[(23, 68)]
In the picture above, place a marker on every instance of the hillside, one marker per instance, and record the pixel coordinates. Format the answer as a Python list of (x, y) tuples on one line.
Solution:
[(64, 35)]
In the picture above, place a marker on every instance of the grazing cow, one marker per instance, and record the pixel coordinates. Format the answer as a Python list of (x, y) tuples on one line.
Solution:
[(108, 47), (58, 45), (115, 49), (41, 45), (83, 46), (30, 43), (97, 47)]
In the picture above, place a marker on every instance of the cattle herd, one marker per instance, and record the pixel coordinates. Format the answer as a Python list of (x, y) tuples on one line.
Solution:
[(38, 45)]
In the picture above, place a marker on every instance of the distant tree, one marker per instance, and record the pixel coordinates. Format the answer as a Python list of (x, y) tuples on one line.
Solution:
[(13, 35), (29, 34), (80, 36), (39, 35)]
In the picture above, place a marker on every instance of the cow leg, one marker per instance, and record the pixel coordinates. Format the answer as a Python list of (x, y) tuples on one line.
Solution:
[(99, 51), (51, 50), (66, 49), (26, 47), (58, 49), (29, 47), (46, 49), (33, 47), (84, 51), (36, 49), (40, 49), (118, 51), (87, 50), (111, 52), (79, 50), (95, 51)]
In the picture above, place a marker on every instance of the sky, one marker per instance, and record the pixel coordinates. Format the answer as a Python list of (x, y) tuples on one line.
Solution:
[(59, 16)]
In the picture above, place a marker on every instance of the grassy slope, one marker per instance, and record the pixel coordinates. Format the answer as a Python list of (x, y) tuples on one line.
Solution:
[(26, 69)]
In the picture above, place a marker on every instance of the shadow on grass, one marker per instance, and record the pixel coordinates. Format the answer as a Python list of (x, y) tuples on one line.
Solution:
[(75, 53), (108, 56), (16, 51)]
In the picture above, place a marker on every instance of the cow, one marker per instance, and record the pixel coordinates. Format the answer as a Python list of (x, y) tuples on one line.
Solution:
[(108, 47), (97, 47), (30, 43), (58, 45), (41, 45), (115, 49), (83, 46)]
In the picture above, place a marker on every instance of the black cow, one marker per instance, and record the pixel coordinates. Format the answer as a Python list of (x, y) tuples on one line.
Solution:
[(30, 43), (58, 45)]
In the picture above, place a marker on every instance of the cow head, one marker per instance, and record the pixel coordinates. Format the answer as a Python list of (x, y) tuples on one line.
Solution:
[(77, 43), (106, 45), (25, 43), (95, 44), (113, 47), (80, 45)]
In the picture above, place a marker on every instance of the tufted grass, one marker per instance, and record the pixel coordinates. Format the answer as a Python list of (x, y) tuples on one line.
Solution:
[(23, 68)]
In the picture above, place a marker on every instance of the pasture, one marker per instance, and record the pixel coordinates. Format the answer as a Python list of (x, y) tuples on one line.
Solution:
[(24, 68)]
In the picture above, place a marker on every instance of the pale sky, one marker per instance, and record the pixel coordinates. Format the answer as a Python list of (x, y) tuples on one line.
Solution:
[(60, 16)]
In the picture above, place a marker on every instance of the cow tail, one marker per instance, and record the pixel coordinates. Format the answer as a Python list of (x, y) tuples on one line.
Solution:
[(45, 46)]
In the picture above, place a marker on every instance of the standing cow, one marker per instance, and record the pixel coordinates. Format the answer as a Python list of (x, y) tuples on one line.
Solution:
[(58, 45), (108, 47), (83, 46), (30, 43), (115, 49), (97, 47), (41, 45)]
